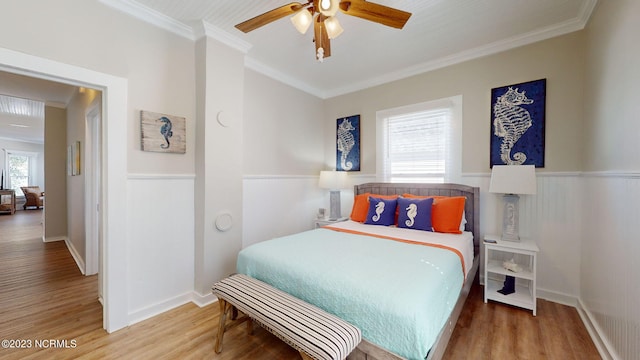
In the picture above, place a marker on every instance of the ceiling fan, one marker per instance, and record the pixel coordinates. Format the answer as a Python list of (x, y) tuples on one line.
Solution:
[(325, 24)]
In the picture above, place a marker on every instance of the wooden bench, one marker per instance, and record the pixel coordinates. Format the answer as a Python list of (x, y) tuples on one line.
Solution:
[(315, 333)]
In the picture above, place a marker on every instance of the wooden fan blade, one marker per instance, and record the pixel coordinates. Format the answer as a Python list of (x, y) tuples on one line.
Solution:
[(375, 12), (321, 37), (269, 17)]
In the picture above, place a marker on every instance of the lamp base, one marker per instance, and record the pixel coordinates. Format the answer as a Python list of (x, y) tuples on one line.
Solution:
[(334, 202), (510, 218)]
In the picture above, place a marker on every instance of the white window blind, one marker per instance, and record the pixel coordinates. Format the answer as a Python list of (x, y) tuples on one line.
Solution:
[(419, 143)]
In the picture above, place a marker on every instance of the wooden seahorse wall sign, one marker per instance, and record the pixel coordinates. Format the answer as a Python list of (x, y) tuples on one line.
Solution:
[(348, 143), (517, 124), (162, 133)]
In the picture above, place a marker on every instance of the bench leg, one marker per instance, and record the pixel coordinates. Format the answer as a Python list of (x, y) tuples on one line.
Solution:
[(224, 309)]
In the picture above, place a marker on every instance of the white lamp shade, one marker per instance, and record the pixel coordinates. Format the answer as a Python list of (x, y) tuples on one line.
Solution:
[(329, 7), (333, 27), (333, 180), (513, 179), (302, 20)]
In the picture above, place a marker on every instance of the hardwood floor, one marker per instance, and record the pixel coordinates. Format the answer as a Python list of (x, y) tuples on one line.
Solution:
[(46, 302)]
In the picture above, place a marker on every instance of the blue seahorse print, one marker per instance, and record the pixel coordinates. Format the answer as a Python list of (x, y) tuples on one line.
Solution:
[(345, 143), (510, 122), (165, 131)]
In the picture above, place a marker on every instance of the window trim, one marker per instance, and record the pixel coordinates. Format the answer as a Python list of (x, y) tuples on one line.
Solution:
[(453, 160)]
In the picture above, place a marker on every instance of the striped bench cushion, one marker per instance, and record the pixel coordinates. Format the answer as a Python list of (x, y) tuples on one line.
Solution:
[(305, 327)]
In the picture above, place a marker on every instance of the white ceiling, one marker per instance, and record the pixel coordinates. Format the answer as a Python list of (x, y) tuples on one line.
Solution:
[(439, 33), (18, 123)]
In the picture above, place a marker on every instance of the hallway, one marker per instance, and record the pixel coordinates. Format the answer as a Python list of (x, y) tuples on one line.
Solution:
[(44, 295)]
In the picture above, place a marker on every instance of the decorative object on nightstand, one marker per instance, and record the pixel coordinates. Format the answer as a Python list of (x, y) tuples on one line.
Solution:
[(512, 180), (324, 222), (334, 181), (521, 265)]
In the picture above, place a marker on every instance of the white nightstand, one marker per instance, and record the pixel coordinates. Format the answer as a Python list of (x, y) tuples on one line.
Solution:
[(326, 221), (525, 254)]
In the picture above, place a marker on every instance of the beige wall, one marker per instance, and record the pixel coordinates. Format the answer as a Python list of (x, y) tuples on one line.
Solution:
[(283, 129), (55, 172), (559, 60), (612, 122)]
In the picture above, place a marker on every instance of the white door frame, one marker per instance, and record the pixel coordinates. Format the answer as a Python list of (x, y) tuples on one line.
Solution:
[(114, 175), (92, 191)]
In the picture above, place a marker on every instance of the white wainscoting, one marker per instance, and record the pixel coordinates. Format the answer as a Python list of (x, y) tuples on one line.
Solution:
[(160, 243), (610, 287), (279, 205)]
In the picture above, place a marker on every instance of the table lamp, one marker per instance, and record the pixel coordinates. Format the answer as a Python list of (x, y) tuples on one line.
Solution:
[(334, 181), (512, 180)]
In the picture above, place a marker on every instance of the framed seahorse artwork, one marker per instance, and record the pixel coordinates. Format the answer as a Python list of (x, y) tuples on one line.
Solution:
[(348, 143), (517, 124), (162, 133)]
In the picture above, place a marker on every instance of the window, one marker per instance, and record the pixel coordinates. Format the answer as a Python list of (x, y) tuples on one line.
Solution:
[(421, 142), (20, 169)]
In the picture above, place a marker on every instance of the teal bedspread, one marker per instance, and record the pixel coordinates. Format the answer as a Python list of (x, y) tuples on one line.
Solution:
[(398, 294)]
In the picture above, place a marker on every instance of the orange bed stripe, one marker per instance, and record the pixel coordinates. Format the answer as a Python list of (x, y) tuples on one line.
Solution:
[(456, 251)]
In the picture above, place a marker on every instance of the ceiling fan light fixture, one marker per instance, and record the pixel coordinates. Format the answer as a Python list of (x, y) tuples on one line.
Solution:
[(329, 7), (302, 21), (333, 27)]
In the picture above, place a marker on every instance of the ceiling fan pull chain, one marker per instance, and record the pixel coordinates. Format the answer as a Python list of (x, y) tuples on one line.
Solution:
[(320, 54)]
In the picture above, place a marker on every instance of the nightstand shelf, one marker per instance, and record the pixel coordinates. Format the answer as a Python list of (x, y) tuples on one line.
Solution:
[(525, 252)]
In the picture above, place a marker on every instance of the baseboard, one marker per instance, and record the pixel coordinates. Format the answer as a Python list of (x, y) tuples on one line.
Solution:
[(557, 297), (203, 300), (76, 256), (53, 238), (602, 344), (159, 308)]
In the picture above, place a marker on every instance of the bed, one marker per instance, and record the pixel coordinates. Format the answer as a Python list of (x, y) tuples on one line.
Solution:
[(375, 277)]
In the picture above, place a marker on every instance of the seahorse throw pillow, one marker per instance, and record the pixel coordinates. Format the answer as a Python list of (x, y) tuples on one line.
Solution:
[(381, 211), (415, 213)]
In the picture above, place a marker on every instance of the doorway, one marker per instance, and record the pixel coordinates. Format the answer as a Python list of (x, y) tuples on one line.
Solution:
[(113, 251)]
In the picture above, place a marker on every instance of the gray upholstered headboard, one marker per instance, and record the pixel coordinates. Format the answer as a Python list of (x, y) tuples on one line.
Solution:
[(472, 204)]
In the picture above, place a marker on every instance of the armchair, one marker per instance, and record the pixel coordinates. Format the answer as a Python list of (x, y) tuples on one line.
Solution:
[(33, 196)]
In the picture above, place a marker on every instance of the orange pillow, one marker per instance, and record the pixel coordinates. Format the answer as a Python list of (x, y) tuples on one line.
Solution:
[(361, 205), (412, 196), (446, 214)]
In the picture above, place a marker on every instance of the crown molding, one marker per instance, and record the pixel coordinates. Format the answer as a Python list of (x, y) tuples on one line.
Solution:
[(569, 26), (222, 36), (152, 17)]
